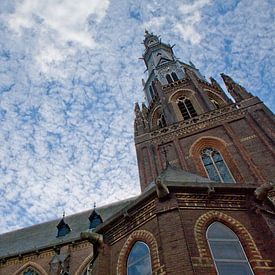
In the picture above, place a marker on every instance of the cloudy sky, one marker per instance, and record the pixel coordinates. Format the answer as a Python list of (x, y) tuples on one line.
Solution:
[(69, 78)]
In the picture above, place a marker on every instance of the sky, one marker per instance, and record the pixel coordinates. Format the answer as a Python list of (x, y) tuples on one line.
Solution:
[(70, 75)]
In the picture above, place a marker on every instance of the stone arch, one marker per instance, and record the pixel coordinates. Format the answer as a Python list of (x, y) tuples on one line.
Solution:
[(36, 266), (146, 237), (253, 254), (188, 94), (155, 116), (84, 264), (218, 144), (218, 98)]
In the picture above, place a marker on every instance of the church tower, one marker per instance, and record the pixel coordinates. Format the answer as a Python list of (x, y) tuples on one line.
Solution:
[(192, 124)]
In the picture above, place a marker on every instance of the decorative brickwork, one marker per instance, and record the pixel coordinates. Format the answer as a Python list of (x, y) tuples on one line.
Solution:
[(33, 265), (257, 262), (149, 239), (220, 145)]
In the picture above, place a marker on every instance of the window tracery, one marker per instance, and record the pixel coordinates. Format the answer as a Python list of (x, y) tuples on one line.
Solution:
[(227, 251), (215, 166), (161, 122), (186, 107)]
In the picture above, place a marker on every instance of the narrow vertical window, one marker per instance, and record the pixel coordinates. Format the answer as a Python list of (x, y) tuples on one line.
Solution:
[(227, 251), (169, 79), (174, 76), (154, 88), (139, 260), (215, 166), (161, 121), (151, 92), (186, 108)]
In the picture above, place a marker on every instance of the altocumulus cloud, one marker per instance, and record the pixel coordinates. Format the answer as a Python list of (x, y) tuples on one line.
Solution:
[(69, 77)]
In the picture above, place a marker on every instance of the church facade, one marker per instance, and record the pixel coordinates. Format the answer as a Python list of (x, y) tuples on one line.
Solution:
[(207, 206)]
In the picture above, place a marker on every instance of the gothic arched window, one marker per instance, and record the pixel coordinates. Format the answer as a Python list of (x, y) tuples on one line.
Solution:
[(161, 122), (175, 77), (215, 103), (139, 260), (186, 108), (169, 79), (215, 166), (227, 251)]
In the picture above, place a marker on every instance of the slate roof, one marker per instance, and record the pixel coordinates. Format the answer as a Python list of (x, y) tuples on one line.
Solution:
[(172, 174), (44, 235)]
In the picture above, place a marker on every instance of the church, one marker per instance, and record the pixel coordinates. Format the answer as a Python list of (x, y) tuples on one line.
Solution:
[(207, 205)]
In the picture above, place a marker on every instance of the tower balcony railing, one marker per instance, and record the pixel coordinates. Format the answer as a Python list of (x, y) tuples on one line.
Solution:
[(220, 114)]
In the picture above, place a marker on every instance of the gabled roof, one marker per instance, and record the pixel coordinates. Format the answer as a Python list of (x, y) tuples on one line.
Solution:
[(44, 235)]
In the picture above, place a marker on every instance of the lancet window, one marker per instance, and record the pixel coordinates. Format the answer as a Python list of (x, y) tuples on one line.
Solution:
[(174, 76), (161, 121), (186, 107), (215, 166), (227, 251), (139, 260), (169, 78)]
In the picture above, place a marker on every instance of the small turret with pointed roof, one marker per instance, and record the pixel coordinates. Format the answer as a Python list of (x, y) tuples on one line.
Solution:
[(238, 92)]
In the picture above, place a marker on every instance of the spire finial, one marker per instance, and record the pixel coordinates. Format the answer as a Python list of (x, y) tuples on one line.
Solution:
[(63, 214), (94, 205)]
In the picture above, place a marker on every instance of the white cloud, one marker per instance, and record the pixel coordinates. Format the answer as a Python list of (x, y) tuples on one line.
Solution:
[(191, 16), (67, 18)]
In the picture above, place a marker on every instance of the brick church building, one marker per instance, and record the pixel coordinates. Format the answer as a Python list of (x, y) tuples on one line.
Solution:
[(207, 206)]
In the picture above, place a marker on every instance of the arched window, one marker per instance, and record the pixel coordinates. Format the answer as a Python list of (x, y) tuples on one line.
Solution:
[(215, 103), (186, 108), (215, 166), (30, 271), (175, 77), (161, 121), (227, 251), (139, 260), (169, 79), (154, 88)]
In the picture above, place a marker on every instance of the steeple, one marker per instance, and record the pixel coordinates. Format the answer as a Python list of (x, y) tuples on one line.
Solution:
[(180, 101)]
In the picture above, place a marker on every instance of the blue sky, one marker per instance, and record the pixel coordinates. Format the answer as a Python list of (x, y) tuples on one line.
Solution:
[(69, 78)]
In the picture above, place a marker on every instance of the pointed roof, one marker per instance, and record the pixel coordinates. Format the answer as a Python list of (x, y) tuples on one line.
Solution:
[(172, 174), (175, 174)]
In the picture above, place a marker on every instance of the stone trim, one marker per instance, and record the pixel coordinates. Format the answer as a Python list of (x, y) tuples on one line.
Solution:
[(254, 256), (84, 264), (220, 145), (36, 266), (149, 239)]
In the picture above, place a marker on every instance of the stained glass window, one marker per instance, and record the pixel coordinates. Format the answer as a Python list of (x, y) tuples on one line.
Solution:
[(139, 260), (215, 166), (186, 107), (227, 251)]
